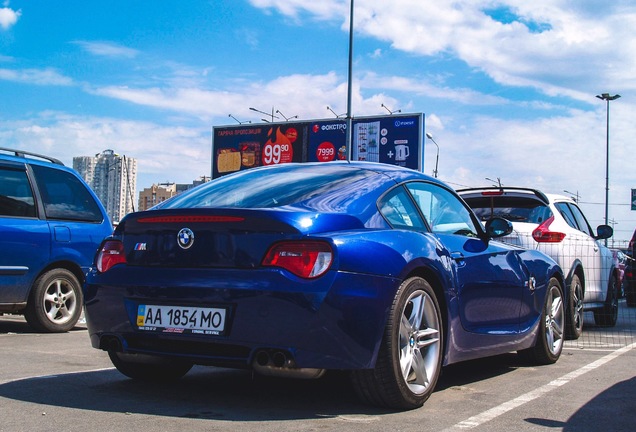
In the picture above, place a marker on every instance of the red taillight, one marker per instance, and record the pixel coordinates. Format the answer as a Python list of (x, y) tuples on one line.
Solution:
[(111, 253), (543, 234), (309, 259)]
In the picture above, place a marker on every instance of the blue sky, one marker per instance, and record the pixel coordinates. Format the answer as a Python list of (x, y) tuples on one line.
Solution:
[(507, 87)]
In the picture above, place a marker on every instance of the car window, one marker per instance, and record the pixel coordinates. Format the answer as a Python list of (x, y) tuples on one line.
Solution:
[(581, 220), (267, 188), (567, 214), (65, 197), (515, 209), (445, 212), (398, 209), (16, 196)]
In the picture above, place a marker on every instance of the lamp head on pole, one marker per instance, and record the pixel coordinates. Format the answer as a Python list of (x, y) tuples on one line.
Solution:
[(608, 97)]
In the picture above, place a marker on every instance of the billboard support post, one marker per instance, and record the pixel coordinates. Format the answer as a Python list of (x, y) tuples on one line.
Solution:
[(350, 86)]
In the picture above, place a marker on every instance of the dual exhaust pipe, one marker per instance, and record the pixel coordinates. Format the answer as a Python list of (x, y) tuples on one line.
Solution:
[(273, 358), (280, 363)]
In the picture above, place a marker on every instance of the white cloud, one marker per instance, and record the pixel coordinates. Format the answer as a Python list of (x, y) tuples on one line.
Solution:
[(107, 49), (571, 41), (323, 9), (421, 87), (250, 37), (8, 17), (290, 94), (40, 77), (158, 147)]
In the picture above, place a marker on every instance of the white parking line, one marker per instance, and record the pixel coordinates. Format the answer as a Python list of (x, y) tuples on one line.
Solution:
[(493, 413)]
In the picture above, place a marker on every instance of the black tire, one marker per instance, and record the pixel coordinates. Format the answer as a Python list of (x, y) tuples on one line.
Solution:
[(55, 302), (413, 334), (549, 343), (149, 368), (574, 316), (608, 315)]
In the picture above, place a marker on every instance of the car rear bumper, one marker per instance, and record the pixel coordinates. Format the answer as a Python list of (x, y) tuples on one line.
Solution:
[(334, 322)]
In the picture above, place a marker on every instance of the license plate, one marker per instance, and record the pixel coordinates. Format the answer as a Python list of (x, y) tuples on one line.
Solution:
[(181, 319)]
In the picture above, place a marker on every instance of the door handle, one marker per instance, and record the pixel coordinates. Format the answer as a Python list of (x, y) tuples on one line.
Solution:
[(457, 256)]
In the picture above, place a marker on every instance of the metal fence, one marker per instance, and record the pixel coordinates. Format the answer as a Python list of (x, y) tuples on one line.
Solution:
[(609, 338), (581, 247)]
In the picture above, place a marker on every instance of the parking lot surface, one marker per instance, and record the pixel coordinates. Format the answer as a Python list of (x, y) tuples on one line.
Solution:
[(58, 382)]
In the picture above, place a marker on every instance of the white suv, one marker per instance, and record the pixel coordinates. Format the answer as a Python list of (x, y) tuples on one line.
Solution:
[(556, 226)]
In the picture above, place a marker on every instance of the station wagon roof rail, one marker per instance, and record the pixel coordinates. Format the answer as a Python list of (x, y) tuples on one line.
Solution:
[(22, 153)]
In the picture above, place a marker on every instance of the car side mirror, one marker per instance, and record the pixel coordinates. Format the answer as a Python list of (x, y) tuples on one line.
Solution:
[(604, 231), (498, 227)]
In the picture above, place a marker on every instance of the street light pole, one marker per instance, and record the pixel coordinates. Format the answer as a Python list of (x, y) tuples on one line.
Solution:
[(429, 136), (607, 97)]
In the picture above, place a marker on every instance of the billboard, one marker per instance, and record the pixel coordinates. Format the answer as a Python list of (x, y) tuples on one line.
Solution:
[(395, 139)]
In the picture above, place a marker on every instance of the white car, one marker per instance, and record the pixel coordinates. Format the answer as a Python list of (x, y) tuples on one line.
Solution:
[(556, 226)]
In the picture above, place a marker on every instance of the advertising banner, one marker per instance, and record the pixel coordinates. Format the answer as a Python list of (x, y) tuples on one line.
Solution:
[(395, 140)]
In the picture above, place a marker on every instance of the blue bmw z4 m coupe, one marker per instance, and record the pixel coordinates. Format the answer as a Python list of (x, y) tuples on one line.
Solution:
[(295, 269)]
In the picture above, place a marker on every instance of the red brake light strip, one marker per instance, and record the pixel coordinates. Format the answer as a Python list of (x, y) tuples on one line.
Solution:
[(189, 219)]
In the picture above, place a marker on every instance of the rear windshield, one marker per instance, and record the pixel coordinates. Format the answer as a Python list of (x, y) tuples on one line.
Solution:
[(514, 209), (265, 188)]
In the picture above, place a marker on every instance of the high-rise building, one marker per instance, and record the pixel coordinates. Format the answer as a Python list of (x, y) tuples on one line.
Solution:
[(113, 178), (158, 193)]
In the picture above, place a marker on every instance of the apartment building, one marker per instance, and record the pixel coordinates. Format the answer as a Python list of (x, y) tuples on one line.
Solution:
[(113, 177)]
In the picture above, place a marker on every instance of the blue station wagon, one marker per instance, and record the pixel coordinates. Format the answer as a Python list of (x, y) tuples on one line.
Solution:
[(51, 224)]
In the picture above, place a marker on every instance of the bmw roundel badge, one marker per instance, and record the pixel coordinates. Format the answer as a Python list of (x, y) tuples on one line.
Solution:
[(185, 238)]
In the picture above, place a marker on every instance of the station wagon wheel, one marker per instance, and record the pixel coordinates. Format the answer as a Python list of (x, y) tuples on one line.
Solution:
[(55, 302), (608, 315), (410, 356), (574, 319), (148, 367), (549, 342)]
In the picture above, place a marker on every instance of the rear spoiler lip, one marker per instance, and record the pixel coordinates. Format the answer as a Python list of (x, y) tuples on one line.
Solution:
[(502, 191)]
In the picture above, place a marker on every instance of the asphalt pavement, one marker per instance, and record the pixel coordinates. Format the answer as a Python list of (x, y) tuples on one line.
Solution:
[(58, 382)]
